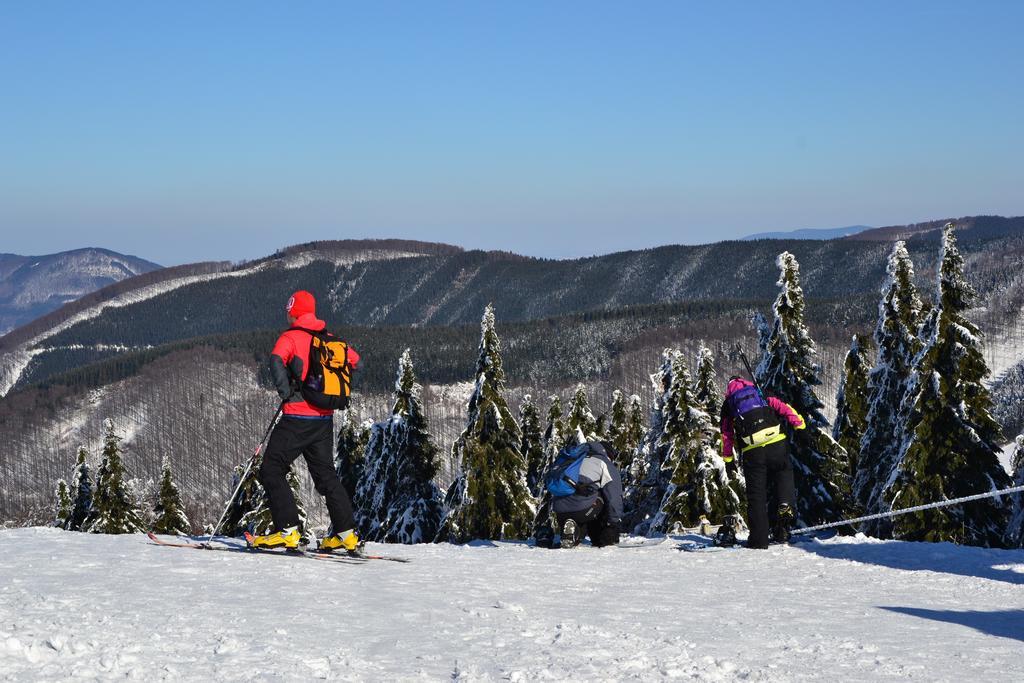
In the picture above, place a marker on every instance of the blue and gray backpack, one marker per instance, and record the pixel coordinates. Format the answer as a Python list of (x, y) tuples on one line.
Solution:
[(563, 477)]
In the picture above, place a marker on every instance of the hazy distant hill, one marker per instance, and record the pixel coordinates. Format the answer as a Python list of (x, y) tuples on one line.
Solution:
[(31, 286), (970, 227), (809, 233)]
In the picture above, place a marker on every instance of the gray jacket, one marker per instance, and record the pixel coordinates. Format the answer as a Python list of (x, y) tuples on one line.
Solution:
[(598, 477)]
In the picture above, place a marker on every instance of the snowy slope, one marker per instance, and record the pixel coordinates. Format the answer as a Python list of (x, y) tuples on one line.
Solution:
[(856, 609)]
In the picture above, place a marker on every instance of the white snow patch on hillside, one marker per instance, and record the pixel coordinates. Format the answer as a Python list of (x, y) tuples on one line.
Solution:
[(110, 607), (344, 259)]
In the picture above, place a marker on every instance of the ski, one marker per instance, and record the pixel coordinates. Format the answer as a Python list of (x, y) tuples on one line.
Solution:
[(225, 547), (327, 554), (704, 546), (641, 543)]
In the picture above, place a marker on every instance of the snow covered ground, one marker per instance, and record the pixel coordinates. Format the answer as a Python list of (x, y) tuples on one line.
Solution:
[(104, 607)]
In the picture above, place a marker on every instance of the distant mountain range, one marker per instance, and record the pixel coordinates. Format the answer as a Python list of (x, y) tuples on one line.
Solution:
[(810, 233), (177, 356), (31, 286)]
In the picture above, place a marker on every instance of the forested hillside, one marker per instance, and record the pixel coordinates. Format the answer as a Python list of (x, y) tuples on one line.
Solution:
[(415, 284), (177, 359)]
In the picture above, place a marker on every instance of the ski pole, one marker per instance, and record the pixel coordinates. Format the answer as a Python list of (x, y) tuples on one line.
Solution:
[(904, 511), (248, 466), (746, 364)]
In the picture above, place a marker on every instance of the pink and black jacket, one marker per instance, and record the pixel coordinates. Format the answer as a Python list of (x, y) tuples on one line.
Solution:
[(742, 397)]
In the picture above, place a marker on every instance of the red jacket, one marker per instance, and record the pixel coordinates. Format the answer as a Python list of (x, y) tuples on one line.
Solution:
[(290, 361)]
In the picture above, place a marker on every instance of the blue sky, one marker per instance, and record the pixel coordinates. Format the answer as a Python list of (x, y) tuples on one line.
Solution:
[(195, 131)]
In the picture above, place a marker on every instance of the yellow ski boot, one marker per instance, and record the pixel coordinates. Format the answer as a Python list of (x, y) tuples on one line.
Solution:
[(346, 540), (287, 539)]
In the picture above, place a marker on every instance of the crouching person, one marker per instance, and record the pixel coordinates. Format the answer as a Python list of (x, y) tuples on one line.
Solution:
[(586, 494)]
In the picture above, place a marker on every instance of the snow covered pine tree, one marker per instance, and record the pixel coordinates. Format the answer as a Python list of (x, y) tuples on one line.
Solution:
[(489, 499), (114, 508), (699, 484), (532, 445), (706, 394), (81, 485), (349, 455), (169, 511), (852, 401), (648, 478), (789, 371), (397, 499), (625, 428), (554, 432), (951, 444), (61, 505), (580, 419), (553, 442), (896, 337)]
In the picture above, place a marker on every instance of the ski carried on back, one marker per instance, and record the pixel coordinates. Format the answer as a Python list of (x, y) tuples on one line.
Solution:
[(325, 554), (225, 547)]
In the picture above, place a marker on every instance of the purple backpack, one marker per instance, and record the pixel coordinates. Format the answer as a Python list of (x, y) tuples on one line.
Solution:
[(754, 420)]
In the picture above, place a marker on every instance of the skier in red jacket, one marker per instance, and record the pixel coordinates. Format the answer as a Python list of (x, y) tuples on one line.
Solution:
[(755, 423), (303, 430)]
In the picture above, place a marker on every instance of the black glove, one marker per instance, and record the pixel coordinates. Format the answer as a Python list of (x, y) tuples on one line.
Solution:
[(732, 467)]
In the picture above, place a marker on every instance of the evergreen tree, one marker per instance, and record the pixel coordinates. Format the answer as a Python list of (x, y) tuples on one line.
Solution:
[(706, 394), (896, 338), (553, 442), (532, 445), (554, 431), (348, 460), (169, 511), (62, 505), (397, 498), (114, 509), (789, 371), (852, 401), (699, 483), (81, 485), (636, 427), (625, 428), (951, 444), (248, 499), (581, 419), (649, 476), (489, 499), (1015, 530)]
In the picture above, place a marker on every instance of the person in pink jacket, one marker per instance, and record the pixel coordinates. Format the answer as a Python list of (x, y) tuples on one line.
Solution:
[(752, 427)]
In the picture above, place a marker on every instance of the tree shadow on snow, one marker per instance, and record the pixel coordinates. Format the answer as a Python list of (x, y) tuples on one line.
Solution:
[(1005, 624), (983, 563)]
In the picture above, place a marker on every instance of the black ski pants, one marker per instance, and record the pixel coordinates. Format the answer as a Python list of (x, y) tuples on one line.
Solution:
[(763, 466), (312, 439), (592, 522)]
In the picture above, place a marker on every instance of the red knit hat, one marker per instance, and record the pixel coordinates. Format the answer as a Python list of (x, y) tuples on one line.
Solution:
[(300, 303)]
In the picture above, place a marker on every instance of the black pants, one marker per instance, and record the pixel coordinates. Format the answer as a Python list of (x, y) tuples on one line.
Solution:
[(761, 466), (311, 439), (592, 522)]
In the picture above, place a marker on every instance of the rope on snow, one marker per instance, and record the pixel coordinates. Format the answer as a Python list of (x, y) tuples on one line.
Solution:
[(904, 511)]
